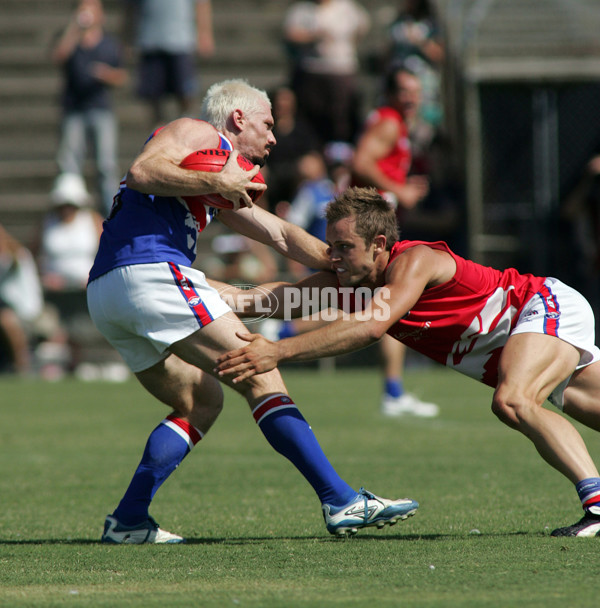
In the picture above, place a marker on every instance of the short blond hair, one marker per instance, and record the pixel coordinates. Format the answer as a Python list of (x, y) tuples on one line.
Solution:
[(222, 98)]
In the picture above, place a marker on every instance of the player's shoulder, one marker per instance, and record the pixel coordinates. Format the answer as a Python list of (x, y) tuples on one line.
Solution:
[(193, 125), (415, 253), (192, 132), (384, 118), (387, 113), (431, 261)]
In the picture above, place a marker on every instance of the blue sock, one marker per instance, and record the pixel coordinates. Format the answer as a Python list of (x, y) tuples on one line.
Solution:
[(289, 434), (394, 387), (169, 443), (589, 492)]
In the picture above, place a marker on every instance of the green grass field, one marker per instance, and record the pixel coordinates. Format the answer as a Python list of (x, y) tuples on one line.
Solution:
[(255, 532)]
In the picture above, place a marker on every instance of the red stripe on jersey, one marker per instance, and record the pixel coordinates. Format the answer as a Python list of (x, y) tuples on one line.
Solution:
[(269, 405), (199, 212), (190, 429), (552, 311), (191, 295)]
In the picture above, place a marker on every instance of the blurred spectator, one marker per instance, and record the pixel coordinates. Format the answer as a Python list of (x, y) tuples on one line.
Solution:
[(18, 276), (383, 159), (295, 138), (240, 259), (65, 249), (92, 64), (316, 189), (306, 210), (383, 155), (69, 236), (168, 34), (322, 39), (415, 42)]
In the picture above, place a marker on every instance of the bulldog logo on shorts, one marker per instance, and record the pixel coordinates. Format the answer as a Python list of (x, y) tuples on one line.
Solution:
[(194, 301)]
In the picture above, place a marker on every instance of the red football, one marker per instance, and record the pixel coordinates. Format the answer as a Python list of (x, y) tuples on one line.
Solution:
[(212, 160)]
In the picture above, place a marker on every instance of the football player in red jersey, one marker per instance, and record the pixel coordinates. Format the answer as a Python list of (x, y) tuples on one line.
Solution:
[(530, 338)]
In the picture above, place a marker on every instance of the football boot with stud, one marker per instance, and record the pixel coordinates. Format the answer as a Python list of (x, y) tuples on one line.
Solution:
[(145, 532), (365, 511), (588, 525)]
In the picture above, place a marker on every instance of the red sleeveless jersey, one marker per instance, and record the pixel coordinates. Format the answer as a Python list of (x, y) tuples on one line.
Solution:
[(465, 322), (397, 163)]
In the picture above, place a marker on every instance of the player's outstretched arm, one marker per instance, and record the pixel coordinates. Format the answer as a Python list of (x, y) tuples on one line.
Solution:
[(277, 299), (349, 333), (411, 273), (262, 355)]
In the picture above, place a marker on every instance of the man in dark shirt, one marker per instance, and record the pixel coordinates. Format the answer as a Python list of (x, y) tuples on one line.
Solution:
[(92, 64)]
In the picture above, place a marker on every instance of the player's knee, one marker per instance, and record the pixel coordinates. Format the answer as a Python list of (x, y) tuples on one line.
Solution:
[(511, 409), (199, 400), (205, 409), (213, 406), (261, 384)]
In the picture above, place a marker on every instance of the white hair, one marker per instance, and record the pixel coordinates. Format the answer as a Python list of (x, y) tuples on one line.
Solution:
[(222, 98)]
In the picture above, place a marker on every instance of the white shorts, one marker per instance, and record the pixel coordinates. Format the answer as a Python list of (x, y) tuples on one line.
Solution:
[(144, 308), (561, 311)]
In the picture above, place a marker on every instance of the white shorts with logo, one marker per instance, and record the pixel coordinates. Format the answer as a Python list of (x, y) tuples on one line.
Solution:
[(144, 308), (562, 312)]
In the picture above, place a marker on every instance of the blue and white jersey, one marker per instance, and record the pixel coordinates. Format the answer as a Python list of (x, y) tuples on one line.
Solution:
[(307, 210), (146, 229)]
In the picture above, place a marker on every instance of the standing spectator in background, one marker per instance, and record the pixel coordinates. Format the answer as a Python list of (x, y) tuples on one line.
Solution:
[(383, 160), (168, 35), (322, 38), (92, 64), (415, 42)]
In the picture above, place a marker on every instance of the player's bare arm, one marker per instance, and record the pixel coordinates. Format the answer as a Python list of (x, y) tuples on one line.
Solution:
[(376, 144), (156, 170), (282, 299), (287, 239), (411, 273)]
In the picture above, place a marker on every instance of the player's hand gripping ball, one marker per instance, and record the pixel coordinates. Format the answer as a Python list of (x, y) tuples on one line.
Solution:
[(213, 160)]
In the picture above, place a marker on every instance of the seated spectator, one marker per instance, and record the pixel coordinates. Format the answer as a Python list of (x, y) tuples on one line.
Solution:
[(69, 236), (65, 249), (240, 259), (18, 275), (316, 189)]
